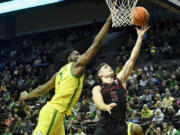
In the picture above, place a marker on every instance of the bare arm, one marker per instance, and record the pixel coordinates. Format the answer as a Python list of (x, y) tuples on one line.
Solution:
[(98, 100), (78, 67), (128, 67), (40, 90)]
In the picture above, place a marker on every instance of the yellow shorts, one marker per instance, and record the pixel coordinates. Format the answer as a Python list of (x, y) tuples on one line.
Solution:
[(50, 122)]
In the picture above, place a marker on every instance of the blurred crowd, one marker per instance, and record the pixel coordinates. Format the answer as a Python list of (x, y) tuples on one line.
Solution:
[(153, 93)]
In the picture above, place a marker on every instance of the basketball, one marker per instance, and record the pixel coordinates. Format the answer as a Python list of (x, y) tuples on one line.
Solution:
[(140, 16)]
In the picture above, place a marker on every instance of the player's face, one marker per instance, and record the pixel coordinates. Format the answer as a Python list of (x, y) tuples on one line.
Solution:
[(106, 70), (74, 56)]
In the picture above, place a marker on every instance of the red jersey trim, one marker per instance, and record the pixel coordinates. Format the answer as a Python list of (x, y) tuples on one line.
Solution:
[(120, 83)]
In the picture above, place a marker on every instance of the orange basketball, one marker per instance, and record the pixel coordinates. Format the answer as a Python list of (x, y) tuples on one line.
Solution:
[(140, 16)]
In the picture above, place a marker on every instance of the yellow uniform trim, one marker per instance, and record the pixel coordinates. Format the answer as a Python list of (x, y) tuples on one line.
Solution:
[(130, 128), (68, 89), (52, 122)]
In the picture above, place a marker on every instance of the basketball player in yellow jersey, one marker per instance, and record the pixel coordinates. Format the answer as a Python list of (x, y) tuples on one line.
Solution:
[(134, 129), (68, 84)]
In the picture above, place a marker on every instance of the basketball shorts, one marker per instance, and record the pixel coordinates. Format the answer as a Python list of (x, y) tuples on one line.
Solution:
[(50, 122), (111, 128)]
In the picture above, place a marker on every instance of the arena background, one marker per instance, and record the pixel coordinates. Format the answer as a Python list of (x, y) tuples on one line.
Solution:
[(32, 42)]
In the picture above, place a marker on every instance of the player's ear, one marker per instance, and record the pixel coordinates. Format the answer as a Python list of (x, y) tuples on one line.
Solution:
[(99, 74), (70, 58)]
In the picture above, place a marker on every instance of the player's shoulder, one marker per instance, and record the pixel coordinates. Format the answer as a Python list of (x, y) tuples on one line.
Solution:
[(97, 87)]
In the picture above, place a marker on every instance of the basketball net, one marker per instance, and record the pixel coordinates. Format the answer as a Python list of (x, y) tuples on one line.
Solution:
[(121, 11)]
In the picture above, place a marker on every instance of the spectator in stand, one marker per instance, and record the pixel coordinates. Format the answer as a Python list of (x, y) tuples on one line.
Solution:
[(15, 118), (146, 112), (70, 131), (158, 106), (88, 118), (172, 130), (167, 101), (134, 100), (175, 105), (6, 97), (176, 92), (166, 50), (9, 120), (153, 51), (76, 108), (158, 117), (79, 131), (165, 128), (146, 97), (28, 126), (143, 82), (134, 118), (90, 81), (133, 87), (38, 61), (129, 109), (148, 68), (3, 86), (172, 81), (156, 99), (98, 116), (151, 130), (164, 94), (7, 132), (25, 133), (163, 86), (158, 131), (78, 119), (169, 113), (18, 126), (84, 107)]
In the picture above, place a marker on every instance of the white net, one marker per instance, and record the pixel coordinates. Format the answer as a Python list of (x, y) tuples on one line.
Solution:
[(121, 11)]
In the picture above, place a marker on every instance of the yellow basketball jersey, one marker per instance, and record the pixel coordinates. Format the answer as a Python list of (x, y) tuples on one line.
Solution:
[(68, 89), (129, 128)]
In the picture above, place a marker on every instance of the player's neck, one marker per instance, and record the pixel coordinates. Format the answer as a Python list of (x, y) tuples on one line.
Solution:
[(107, 80)]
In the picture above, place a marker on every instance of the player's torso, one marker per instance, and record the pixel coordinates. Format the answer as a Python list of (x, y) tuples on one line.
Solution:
[(67, 89), (114, 93)]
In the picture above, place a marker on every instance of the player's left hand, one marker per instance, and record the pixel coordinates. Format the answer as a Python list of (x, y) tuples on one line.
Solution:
[(109, 107), (142, 31), (23, 95)]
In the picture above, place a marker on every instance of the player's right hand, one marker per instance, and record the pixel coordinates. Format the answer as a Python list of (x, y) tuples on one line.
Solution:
[(142, 31), (109, 107)]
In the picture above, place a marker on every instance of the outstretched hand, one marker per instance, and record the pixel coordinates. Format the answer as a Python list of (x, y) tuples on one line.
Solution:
[(142, 31), (23, 95), (114, 10), (109, 107)]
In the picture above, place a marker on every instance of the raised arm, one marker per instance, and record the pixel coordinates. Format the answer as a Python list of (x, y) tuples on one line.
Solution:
[(98, 100), (78, 67), (40, 90), (128, 67)]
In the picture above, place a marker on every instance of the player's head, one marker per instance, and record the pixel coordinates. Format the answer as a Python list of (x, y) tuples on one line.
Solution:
[(71, 55), (104, 71), (136, 129)]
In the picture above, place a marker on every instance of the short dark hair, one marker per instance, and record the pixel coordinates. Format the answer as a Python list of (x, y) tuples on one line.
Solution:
[(66, 54), (99, 67)]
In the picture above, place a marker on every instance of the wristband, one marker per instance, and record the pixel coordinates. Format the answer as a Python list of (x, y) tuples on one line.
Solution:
[(26, 94)]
